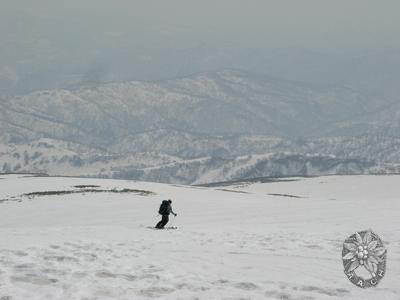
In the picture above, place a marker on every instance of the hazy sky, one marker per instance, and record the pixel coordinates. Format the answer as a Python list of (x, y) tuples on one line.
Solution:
[(347, 20), (68, 35), (282, 22)]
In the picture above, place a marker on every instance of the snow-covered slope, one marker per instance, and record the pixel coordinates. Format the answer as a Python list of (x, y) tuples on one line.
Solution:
[(76, 238)]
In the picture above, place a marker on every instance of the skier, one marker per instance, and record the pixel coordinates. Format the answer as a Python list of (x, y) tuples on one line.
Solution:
[(165, 210)]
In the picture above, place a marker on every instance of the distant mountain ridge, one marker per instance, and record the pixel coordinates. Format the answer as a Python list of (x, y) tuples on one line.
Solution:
[(214, 119), (54, 158), (212, 104)]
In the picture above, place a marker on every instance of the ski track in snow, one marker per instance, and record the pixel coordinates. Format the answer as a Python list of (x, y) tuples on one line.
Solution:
[(99, 246)]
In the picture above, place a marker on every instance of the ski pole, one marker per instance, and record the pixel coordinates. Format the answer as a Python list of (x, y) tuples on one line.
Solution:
[(173, 220)]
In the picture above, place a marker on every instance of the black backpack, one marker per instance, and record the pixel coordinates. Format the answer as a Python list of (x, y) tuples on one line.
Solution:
[(164, 208)]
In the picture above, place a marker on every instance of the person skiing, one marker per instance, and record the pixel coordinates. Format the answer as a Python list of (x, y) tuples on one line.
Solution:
[(164, 211)]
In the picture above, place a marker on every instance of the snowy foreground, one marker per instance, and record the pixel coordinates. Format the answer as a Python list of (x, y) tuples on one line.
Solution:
[(280, 240)]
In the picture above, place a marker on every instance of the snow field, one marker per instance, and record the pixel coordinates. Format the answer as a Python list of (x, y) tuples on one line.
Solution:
[(280, 240)]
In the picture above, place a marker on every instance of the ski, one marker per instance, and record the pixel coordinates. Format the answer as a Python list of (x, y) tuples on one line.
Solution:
[(165, 228)]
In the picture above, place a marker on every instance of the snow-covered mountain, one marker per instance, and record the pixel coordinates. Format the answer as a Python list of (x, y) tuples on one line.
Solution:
[(77, 238), (55, 158), (212, 104), (189, 129)]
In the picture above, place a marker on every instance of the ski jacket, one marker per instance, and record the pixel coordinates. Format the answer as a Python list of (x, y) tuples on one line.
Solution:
[(166, 209), (169, 210)]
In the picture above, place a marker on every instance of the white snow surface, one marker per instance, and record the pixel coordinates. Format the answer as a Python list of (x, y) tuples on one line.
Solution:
[(244, 241)]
